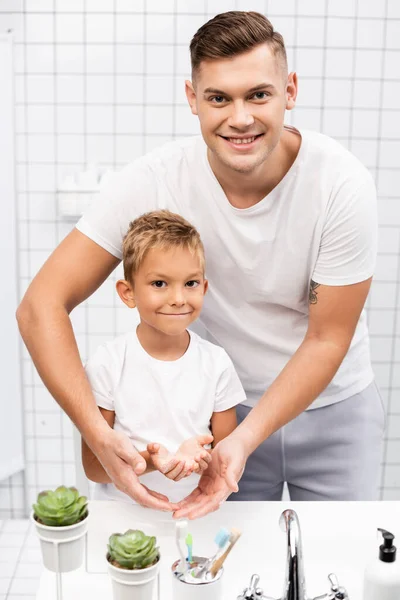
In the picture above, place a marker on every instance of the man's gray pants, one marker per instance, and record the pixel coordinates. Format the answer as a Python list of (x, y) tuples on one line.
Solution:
[(328, 453)]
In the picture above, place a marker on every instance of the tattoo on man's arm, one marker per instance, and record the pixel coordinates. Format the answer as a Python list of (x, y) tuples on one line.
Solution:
[(313, 293)]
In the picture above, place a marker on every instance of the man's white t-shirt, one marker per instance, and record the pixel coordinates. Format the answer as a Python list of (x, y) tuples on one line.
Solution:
[(162, 401), (319, 223)]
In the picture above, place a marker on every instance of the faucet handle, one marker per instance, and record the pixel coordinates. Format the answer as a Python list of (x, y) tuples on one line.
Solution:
[(252, 592), (338, 592)]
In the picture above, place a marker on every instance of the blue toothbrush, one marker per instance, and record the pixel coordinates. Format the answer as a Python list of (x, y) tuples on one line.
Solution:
[(221, 540)]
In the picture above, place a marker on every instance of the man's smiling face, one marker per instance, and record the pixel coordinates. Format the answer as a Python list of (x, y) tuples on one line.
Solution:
[(241, 102)]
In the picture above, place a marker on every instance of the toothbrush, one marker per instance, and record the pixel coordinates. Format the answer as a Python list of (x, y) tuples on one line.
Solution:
[(189, 545), (217, 564), (180, 530), (220, 539)]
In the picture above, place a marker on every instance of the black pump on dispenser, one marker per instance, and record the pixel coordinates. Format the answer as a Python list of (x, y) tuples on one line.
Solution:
[(387, 551)]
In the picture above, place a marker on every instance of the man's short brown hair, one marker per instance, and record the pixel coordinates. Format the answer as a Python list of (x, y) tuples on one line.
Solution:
[(235, 32), (159, 229)]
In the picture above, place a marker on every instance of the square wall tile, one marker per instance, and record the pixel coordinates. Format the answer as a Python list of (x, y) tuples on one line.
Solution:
[(368, 64), (160, 29), (365, 123), (342, 8), (99, 28), (309, 62), (40, 119), (340, 32), (129, 89), (130, 59), (70, 119), (40, 58), (70, 89), (186, 27), (41, 178), (129, 147), (370, 33), (99, 149), (336, 122), (130, 28), (40, 88), (159, 89), (100, 119), (367, 94), (69, 28), (159, 60), (392, 38), (339, 62), (310, 32), (129, 119), (39, 27), (69, 58), (390, 89), (338, 93), (70, 148), (388, 186), (40, 147), (365, 150), (100, 89), (158, 119), (186, 123), (100, 58)]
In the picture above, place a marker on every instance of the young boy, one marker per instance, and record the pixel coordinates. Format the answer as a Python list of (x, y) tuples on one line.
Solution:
[(169, 390)]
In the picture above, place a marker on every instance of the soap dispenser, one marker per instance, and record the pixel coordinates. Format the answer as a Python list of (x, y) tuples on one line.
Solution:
[(382, 576)]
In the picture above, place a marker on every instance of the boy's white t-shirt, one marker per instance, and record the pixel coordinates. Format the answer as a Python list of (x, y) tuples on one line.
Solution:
[(319, 223), (162, 401)]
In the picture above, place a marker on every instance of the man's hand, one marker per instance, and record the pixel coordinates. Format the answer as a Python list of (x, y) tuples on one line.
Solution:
[(227, 464), (123, 464), (193, 452), (169, 464)]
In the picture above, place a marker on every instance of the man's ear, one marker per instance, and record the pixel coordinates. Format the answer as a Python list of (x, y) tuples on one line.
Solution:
[(125, 292), (191, 96), (291, 91)]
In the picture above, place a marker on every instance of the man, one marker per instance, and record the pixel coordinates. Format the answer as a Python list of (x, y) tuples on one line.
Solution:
[(288, 221)]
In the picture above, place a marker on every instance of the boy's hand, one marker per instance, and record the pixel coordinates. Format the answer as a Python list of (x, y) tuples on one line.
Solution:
[(170, 465), (194, 454)]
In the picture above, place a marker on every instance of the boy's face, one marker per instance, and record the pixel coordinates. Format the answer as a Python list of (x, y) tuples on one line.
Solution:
[(169, 289), (244, 97)]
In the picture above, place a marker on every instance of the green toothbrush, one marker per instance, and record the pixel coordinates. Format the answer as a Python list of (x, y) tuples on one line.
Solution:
[(189, 544)]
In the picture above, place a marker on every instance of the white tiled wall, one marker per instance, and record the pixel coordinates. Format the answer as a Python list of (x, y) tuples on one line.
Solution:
[(102, 81)]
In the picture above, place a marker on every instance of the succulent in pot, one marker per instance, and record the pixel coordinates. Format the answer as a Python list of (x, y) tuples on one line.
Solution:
[(61, 518), (133, 564), (60, 508), (132, 550)]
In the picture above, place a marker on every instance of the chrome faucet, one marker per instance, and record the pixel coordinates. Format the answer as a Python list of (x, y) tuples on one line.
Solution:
[(294, 587)]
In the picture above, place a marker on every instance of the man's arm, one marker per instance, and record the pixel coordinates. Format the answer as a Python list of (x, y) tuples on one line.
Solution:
[(72, 273), (333, 317), (334, 312)]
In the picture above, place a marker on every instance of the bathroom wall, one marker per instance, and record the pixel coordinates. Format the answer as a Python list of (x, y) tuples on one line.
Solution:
[(102, 81)]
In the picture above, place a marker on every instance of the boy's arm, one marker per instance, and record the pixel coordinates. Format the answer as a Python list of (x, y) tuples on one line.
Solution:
[(222, 424), (94, 470)]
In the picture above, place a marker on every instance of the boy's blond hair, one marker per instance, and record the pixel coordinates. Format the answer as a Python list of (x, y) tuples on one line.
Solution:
[(159, 229)]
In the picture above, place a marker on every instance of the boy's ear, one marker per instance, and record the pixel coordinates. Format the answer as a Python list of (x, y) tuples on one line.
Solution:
[(205, 285), (125, 292)]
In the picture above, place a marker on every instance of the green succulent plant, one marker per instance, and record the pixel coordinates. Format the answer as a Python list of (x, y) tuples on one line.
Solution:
[(133, 549), (60, 508)]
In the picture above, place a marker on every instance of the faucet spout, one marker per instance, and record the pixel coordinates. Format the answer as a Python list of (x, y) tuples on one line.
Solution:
[(294, 586)]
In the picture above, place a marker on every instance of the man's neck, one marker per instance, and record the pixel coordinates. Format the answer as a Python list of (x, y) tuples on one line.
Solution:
[(247, 189)]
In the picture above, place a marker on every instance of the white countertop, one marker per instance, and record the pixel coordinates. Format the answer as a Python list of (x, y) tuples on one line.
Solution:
[(338, 537)]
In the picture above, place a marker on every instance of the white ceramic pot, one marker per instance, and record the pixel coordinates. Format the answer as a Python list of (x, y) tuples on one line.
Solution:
[(210, 590), (62, 547), (133, 584)]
